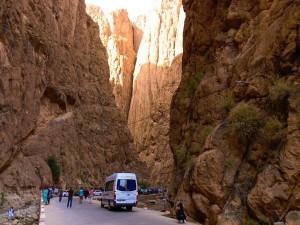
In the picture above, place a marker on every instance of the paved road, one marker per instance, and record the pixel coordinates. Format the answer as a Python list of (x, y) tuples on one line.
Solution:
[(57, 213)]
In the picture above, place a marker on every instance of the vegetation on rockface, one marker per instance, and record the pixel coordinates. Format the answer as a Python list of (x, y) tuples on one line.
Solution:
[(226, 103), (185, 152), (273, 130), (245, 122), (55, 168), (142, 184), (204, 134), (181, 155), (248, 122), (193, 83), (280, 92), (250, 222)]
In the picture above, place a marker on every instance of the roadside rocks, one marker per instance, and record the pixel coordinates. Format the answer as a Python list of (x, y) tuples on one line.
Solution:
[(23, 216)]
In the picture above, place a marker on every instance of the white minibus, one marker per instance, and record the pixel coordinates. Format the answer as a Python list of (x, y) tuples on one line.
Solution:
[(120, 190)]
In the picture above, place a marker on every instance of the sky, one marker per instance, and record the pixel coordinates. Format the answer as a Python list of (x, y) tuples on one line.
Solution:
[(134, 7)]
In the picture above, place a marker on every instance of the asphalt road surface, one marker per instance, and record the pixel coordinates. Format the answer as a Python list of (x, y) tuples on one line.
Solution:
[(57, 213)]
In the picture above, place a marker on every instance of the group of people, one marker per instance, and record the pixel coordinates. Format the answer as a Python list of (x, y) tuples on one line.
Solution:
[(81, 194), (47, 195)]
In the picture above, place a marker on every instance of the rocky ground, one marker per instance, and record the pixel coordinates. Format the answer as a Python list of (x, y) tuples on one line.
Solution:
[(25, 216)]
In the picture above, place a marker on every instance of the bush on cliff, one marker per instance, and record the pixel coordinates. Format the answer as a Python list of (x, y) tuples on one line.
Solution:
[(280, 92), (55, 168), (273, 130), (181, 154), (226, 103), (245, 121)]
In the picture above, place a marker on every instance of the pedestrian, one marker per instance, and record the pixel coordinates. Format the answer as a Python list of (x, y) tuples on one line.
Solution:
[(45, 195), (81, 192), (11, 212), (70, 197), (49, 196), (91, 195), (60, 194), (180, 213), (85, 193)]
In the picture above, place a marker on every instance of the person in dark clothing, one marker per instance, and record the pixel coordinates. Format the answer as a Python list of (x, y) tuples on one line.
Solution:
[(85, 193), (49, 195), (180, 213), (60, 194), (70, 197)]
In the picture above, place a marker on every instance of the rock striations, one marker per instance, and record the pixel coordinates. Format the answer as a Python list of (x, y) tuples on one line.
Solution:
[(55, 100), (146, 56), (235, 124)]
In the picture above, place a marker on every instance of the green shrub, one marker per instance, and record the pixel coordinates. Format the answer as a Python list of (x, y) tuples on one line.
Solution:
[(142, 184), (226, 103), (250, 222), (55, 168), (194, 80), (182, 155), (245, 122), (280, 92), (273, 130)]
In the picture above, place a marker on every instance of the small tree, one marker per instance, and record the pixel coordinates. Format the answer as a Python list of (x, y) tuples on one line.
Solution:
[(55, 168)]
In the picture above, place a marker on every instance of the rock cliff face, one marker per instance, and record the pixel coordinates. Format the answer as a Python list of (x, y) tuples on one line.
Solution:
[(156, 76), (235, 131), (152, 75), (116, 33), (55, 99)]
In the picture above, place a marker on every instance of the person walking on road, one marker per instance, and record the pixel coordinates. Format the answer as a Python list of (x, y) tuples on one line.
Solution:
[(91, 195), (70, 197), (81, 192), (45, 196), (49, 195), (60, 194)]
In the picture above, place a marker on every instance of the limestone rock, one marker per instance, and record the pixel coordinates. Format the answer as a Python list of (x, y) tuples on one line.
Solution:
[(292, 218), (116, 33), (55, 99), (235, 52), (156, 76)]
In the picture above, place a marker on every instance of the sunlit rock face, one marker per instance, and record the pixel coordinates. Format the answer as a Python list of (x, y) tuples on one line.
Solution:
[(150, 84), (55, 99), (116, 33), (156, 76), (238, 53)]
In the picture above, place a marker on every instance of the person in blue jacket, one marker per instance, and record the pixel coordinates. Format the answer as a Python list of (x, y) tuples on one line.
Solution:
[(81, 193)]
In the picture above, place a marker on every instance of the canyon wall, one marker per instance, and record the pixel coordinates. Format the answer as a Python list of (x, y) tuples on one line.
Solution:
[(156, 76), (235, 122), (116, 33), (149, 78), (56, 100)]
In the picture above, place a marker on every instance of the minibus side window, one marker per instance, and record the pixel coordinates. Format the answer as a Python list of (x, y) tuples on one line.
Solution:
[(109, 186)]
